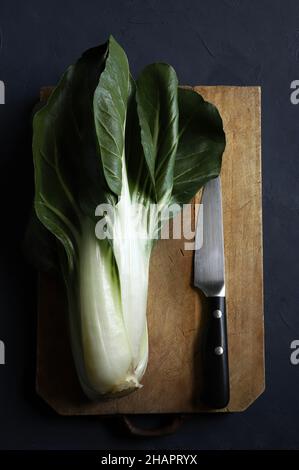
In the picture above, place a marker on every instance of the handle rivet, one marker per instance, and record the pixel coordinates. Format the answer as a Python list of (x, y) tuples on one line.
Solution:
[(218, 351), (217, 314)]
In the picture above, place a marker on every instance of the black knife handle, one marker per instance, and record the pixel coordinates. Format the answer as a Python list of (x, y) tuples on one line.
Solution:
[(215, 355)]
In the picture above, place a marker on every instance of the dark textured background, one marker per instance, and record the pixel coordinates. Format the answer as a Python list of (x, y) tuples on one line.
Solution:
[(229, 42)]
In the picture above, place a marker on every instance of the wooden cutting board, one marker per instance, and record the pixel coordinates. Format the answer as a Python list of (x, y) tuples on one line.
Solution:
[(176, 311)]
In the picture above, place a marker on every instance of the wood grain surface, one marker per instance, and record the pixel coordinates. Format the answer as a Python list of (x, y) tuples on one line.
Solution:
[(176, 311)]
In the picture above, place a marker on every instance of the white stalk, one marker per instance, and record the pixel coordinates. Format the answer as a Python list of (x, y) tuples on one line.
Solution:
[(109, 329), (110, 324), (132, 250)]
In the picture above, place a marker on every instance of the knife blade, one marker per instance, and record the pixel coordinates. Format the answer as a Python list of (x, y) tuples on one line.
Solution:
[(209, 277)]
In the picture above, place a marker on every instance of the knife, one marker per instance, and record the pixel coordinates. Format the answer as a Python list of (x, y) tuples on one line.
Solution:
[(209, 277)]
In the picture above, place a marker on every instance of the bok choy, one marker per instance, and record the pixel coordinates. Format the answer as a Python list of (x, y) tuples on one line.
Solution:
[(105, 145)]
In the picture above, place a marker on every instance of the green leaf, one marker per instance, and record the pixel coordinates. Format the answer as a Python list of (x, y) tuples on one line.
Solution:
[(69, 180), (140, 184), (110, 106), (157, 107), (200, 148)]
